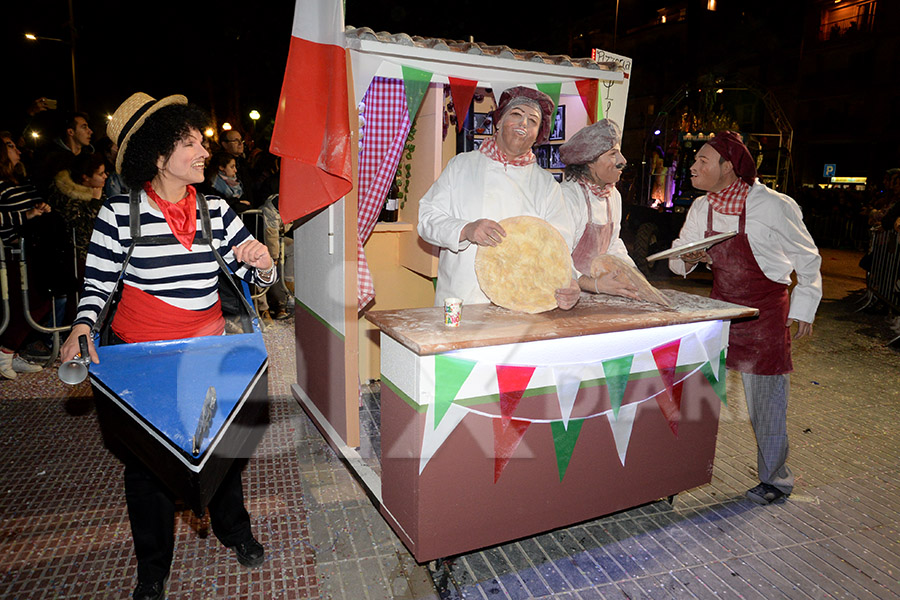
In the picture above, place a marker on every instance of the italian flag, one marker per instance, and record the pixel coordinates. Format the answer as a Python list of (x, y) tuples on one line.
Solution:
[(312, 128)]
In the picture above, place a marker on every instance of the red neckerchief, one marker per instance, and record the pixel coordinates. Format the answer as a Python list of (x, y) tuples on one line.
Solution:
[(731, 200), (600, 191), (489, 148), (181, 216)]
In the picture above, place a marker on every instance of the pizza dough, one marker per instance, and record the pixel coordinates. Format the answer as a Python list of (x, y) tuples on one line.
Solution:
[(524, 271), (606, 263)]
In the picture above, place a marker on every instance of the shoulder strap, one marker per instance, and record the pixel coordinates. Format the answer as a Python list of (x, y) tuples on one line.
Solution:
[(206, 227)]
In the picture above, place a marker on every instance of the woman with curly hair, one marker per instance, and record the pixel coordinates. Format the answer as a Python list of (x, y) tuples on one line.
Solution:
[(20, 203), (170, 291)]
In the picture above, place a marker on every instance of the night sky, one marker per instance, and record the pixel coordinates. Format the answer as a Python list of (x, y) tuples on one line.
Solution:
[(229, 55)]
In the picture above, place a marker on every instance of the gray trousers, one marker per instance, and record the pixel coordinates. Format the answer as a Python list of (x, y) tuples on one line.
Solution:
[(767, 399)]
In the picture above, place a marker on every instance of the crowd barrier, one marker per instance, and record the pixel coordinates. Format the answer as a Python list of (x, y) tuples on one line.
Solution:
[(16, 257), (883, 275), (837, 231)]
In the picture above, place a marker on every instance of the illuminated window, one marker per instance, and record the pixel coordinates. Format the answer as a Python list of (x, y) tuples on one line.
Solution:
[(846, 19)]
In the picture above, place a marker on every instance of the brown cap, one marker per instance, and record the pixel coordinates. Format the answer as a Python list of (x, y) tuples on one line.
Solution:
[(590, 142), (515, 96)]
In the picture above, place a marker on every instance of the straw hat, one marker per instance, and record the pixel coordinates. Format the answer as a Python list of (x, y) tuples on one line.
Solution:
[(129, 117)]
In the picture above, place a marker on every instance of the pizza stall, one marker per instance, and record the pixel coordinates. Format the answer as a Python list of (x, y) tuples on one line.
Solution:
[(512, 423)]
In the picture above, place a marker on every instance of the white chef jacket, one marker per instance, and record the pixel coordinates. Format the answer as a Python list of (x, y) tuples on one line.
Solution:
[(574, 195), (473, 187), (778, 239)]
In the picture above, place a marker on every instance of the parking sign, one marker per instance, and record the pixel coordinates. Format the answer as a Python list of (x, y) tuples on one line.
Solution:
[(830, 171)]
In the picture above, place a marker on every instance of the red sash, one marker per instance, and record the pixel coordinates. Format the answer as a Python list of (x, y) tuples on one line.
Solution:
[(142, 317)]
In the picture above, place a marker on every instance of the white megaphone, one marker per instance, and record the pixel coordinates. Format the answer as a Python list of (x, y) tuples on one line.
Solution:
[(75, 371)]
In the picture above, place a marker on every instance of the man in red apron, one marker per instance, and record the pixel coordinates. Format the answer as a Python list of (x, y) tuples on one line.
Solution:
[(754, 269)]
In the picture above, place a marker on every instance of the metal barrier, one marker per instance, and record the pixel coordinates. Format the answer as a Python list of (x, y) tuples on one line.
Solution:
[(835, 231), (883, 276), (254, 220), (5, 292)]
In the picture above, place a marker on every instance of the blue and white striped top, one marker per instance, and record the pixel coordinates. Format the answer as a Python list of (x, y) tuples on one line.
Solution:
[(186, 279), (15, 201)]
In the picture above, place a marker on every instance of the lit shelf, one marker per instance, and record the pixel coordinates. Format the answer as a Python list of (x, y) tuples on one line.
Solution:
[(395, 227)]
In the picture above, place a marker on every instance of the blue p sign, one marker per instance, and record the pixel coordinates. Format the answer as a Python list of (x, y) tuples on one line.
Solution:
[(830, 171)]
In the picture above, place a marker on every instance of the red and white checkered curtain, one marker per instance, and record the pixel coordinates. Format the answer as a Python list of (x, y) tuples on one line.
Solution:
[(386, 125)]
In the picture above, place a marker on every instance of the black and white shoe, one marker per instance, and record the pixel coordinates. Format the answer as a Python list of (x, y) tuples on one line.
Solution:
[(765, 494)]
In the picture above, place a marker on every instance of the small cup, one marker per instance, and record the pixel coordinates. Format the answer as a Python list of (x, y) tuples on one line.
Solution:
[(452, 311)]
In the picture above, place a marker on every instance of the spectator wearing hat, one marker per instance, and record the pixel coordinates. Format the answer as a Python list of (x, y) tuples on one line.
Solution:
[(170, 291), (754, 268), (479, 188), (594, 163)]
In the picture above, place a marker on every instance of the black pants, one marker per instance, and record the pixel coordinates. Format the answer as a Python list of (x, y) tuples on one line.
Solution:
[(151, 510)]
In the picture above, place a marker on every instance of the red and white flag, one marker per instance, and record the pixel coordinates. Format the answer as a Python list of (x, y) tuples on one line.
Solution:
[(312, 127)]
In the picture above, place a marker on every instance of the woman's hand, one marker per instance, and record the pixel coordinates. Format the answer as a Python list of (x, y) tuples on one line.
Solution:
[(483, 232), (38, 209), (567, 297), (609, 283), (253, 253), (70, 349)]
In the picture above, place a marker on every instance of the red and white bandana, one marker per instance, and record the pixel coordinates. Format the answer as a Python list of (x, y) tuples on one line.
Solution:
[(600, 191), (731, 200), (489, 148)]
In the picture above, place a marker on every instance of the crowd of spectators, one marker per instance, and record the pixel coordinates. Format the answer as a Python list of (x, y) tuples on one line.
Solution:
[(843, 217), (51, 189)]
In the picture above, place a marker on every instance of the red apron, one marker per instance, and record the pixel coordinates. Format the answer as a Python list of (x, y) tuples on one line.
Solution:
[(595, 239), (760, 346)]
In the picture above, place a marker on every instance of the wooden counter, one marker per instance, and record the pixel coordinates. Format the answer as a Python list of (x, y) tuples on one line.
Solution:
[(586, 412), (422, 330)]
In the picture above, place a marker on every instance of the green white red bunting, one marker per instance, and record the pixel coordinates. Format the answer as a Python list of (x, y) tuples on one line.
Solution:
[(462, 384)]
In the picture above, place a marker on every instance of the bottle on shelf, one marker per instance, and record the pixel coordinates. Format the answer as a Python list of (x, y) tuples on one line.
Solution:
[(391, 206)]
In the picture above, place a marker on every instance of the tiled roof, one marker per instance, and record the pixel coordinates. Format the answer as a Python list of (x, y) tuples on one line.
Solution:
[(403, 39)]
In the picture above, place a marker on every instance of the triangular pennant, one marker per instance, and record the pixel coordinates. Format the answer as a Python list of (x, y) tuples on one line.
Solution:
[(621, 428), (507, 435), (512, 381), (564, 438), (553, 90), (666, 357), (616, 371), (717, 380), (711, 340), (416, 82), (462, 90), (433, 439), (589, 90), (568, 381), (449, 375)]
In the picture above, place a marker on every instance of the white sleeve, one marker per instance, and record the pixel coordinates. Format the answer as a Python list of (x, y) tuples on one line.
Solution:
[(801, 251), (439, 221), (694, 229), (616, 245)]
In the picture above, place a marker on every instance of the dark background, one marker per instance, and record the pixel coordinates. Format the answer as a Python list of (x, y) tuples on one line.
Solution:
[(839, 95)]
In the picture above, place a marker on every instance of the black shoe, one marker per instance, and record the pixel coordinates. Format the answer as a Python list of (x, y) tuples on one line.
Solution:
[(281, 315), (765, 494), (250, 553), (150, 591)]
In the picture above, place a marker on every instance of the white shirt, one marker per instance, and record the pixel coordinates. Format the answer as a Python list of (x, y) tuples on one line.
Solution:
[(473, 187), (778, 239), (574, 195)]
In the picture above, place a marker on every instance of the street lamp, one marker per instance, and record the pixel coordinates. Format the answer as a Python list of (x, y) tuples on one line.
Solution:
[(71, 43)]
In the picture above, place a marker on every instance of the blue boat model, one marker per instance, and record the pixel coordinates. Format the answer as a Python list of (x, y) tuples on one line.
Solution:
[(150, 398)]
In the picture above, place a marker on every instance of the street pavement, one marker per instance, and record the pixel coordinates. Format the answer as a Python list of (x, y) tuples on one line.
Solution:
[(64, 532)]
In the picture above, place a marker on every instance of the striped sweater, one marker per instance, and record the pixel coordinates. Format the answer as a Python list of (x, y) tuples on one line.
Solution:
[(15, 201), (184, 278)]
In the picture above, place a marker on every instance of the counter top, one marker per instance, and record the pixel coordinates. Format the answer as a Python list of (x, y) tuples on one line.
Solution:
[(422, 330)]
